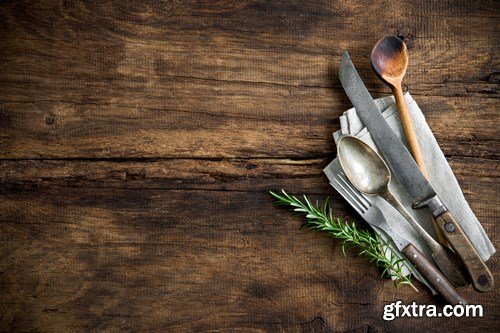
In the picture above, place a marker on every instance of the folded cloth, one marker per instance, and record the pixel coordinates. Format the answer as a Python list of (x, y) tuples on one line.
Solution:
[(441, 178)]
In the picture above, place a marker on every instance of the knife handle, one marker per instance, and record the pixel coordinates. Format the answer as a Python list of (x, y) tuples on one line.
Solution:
[(482, 279), (433, 275)]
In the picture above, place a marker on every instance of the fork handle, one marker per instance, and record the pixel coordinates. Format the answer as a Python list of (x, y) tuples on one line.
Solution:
[(433, 275)]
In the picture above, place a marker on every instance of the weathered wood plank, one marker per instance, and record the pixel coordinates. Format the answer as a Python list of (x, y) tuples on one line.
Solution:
[(478, 178), (148, 244), (188, 79), (280, 43), (130, 259), (221, 122), (196, 174)]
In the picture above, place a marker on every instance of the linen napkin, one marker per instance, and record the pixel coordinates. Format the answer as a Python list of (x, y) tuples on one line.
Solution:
[(441, 177)]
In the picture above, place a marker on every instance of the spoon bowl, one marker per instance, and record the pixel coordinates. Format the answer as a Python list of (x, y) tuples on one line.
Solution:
[(389, 60), (365, 169)]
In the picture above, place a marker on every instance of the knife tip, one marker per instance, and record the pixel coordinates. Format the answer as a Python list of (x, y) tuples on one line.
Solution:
[(343, 62)]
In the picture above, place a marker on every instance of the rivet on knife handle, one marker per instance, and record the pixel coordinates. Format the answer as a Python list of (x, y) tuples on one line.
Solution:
[(482, 279), (433, 275)]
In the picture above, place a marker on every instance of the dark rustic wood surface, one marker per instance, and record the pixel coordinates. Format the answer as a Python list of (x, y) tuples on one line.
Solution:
[(138, 141)]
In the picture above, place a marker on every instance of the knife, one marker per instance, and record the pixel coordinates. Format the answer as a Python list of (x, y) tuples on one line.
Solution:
[(409, 175)]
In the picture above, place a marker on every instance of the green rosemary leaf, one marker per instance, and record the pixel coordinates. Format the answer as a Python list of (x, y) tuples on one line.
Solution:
[(321, 217)]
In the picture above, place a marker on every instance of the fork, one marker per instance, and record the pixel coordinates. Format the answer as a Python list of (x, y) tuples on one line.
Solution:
[(362, 205), (375, 219), (424, 270)]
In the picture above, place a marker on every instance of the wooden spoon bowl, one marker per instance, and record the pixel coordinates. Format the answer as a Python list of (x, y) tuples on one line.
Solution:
[(390, 60)]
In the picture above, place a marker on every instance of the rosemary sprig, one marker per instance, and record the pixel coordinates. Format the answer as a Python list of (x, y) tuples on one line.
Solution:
[(372, 246)]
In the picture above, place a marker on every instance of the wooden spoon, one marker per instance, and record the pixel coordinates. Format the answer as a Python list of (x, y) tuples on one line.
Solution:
[(389, 61)]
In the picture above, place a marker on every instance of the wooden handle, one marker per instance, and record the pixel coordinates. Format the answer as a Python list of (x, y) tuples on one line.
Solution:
[(433, 275), (482, 279), (439, 234), (411, 137)]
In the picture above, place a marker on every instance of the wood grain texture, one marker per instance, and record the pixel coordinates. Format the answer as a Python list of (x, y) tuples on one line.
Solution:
[(138, 141)]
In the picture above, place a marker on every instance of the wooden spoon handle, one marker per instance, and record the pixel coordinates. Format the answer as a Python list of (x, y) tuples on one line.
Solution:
[(411, 137), (482, 279), (405, 118), (434, 276)]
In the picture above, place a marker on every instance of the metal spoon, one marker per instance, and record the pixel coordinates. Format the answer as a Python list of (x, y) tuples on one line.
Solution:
[(368, 172)]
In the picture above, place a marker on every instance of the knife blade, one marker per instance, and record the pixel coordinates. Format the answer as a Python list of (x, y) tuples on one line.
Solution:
[(409, 175)]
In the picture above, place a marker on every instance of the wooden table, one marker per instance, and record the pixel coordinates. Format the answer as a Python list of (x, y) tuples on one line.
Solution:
[(139, 139)]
